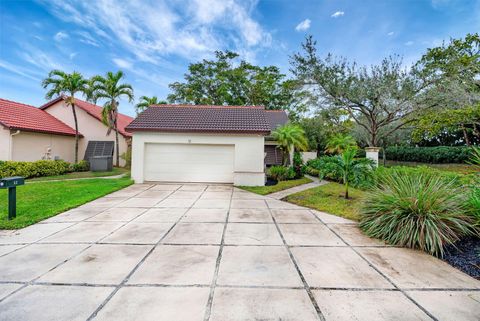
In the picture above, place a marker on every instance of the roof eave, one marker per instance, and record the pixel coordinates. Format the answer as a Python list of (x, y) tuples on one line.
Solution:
[(215, 131)]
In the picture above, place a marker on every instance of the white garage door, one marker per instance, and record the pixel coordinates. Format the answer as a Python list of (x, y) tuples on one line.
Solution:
[(189, 163)]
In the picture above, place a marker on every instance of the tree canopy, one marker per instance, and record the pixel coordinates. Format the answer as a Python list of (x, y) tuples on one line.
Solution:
[(227, 81), (380, 99)]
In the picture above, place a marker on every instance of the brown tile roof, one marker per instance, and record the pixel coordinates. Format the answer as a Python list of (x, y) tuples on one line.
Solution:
[(96, 112), (201, 118), (15, 115), (276, 118)]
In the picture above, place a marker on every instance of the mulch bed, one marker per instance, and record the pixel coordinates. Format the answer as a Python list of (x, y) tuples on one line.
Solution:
[(465, 256), (271, 182)]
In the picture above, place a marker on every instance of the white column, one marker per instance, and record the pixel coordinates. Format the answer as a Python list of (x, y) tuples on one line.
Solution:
[(372, 153)]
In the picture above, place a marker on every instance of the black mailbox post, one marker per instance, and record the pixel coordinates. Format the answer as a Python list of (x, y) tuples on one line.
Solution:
[(11, 183)]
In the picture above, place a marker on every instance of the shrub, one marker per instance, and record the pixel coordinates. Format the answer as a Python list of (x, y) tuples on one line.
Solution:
[(281, 173), (456, 178), (440, 154), (422, 211), (81, 166), (328, 168), (298, 165), (278, 173), (311, 171), (34, 169)]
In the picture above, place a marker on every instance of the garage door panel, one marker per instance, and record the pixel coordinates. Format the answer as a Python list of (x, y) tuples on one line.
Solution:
[(189, 163)]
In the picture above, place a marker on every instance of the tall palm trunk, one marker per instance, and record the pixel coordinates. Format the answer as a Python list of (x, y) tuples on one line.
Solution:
[(117, 157), (76, 131)]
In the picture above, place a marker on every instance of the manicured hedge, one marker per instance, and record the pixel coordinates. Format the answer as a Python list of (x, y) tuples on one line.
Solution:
[(39, 168), (434, 155)]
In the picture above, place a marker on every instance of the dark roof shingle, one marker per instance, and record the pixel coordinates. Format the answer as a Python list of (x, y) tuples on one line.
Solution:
[(276, 118), (29, 118), (200, 118)]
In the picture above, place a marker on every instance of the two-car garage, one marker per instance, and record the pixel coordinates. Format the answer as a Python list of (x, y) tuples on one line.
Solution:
[(188, 144), (189, 163)]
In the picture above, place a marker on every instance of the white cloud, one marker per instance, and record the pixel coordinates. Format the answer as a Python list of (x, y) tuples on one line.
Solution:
[(304, 25), (59, 36), (24, 72), (337, 14), (409, 43), (87, 38), (72, 55), (153, 29), (391, 33), (122, 63)]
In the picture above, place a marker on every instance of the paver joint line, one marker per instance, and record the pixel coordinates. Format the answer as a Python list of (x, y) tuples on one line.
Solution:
[(300, 274), (125, 280), (380, 272)]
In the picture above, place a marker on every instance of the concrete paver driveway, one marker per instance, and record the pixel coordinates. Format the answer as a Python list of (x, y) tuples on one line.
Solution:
[(198, 252)]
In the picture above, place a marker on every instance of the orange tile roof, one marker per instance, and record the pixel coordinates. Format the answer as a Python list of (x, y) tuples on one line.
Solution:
[(14, 115)]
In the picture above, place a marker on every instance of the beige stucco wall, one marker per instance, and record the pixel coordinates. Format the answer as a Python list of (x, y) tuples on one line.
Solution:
[(90, 127), (249, 153), (29, 146), (4, 143)]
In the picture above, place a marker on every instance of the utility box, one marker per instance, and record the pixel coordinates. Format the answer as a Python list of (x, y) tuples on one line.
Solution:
[(11, 183), (101, 163)]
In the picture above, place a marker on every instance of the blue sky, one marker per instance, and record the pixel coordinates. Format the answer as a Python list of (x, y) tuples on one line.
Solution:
[(154, 41)]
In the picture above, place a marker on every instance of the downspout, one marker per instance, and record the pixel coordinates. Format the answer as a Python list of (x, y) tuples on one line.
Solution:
[(10, 147)]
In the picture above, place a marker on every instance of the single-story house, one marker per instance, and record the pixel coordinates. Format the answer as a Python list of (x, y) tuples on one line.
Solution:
[(189, 143), (89, 117), (28, 134)]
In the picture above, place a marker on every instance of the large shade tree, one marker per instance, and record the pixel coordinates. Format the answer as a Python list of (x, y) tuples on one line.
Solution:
[(228, 81), (456, 65), (67, 86), (111, 90), (381, 99)]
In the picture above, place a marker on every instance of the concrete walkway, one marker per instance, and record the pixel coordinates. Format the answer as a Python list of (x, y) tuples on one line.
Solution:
[(198, 252), (282, 194)]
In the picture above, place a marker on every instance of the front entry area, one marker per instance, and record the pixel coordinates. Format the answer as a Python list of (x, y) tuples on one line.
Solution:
[(189, 163)]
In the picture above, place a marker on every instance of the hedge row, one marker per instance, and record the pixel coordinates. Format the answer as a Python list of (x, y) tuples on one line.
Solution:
[(40, 168), (434, 155)]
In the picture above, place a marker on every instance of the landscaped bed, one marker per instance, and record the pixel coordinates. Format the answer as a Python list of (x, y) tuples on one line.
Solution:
[(89, 174), (330, 198), (280, 186), (38, 201)]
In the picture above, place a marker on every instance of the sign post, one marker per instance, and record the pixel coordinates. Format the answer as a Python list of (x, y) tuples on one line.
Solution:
[(11, 183)]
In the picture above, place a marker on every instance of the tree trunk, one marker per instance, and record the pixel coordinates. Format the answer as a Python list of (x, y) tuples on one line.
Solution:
[(76, 131), (346, 190), (465, 136), (117, 157)]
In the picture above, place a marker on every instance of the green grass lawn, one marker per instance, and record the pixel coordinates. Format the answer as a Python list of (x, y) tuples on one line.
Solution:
[(456, 168), (264, 190), (115, 171), (38, 201), (329, 198)]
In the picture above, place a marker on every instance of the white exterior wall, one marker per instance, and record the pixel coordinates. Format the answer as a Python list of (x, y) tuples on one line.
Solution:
[(30, 146), (90, 127), (248, 161), (4, 143)]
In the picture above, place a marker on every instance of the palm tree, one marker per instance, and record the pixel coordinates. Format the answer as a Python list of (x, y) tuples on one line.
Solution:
[(108, 88), (290, 137), (351, 170), (339, 143), (146, 102), (66, 86)]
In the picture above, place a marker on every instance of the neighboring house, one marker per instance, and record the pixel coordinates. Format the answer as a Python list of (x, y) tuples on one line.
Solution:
[(89, 117), (186, 143), (273, 154), (28, 134)]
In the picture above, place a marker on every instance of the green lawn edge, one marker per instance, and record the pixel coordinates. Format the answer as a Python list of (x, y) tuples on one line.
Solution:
[(265, 190), (41, 200), (329, 198)]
